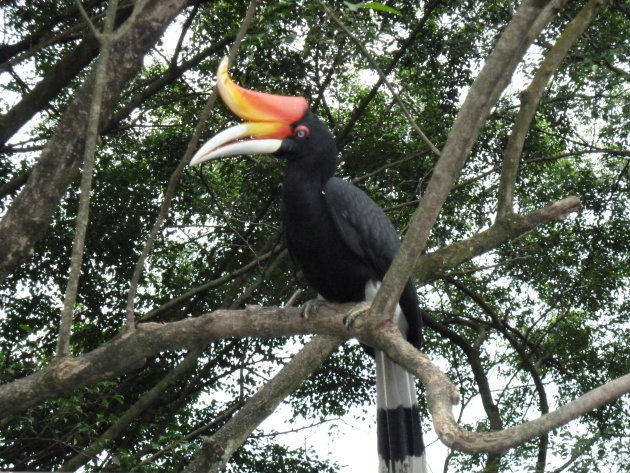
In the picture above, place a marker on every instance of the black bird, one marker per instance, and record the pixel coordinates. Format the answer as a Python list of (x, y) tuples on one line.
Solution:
[(341, 239)]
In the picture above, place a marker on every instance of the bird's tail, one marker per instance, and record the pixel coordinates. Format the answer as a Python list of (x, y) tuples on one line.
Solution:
[(400, 445), (398, 429)]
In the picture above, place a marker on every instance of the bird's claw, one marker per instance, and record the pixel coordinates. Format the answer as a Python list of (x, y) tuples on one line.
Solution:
[(308, 308), (355, 312)]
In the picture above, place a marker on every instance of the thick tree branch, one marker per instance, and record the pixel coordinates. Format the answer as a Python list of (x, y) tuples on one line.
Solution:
[(441, 394), (484, 92), (63, 72), (433, 265), (129, 350)]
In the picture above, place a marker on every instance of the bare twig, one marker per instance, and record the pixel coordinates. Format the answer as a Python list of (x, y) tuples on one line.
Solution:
[(577, 452), (210, 284), (474, 358), (91, 139), (382, 75), (175, 177), (195, 433), (97, 34), (180, 41), (294, 297), (530, 99)]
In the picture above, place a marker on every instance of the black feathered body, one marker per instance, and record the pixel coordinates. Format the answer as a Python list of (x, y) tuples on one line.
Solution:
[(341, 240), (344, 244), (314, 240)]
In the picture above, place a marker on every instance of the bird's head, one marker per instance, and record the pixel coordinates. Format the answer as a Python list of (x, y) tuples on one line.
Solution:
[(275, 124)]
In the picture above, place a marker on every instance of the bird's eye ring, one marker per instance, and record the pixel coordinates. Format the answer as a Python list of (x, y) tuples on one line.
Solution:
[(302, 131)]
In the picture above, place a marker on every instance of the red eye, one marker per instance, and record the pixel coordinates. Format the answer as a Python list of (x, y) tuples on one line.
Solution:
[(301, 131)]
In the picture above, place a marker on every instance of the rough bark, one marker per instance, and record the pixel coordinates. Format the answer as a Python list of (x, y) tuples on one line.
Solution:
[(129, 350)]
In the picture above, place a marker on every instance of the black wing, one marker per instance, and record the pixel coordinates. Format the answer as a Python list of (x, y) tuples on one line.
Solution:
[(367, 231), (362, 224)]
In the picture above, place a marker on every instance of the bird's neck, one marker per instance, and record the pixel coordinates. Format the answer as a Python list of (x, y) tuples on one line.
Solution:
[(302, 193)]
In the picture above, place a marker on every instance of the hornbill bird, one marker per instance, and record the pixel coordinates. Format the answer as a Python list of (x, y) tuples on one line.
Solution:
[(340, 238)]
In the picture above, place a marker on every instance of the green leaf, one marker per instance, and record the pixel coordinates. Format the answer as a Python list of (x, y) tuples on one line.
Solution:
[(381, 7), (373, 6)]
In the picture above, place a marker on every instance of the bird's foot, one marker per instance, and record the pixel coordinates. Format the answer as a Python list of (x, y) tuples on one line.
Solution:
[(310, 307), (355, 312)]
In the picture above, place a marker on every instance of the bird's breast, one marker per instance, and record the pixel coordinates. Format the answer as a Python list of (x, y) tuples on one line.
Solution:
[(328, 264)]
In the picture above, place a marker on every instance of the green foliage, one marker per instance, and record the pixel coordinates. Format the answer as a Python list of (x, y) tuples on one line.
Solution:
[(556, 299), (278, 459)]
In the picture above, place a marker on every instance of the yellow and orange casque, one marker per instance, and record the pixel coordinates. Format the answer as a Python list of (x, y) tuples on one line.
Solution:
[(268, 120), (256, 106)]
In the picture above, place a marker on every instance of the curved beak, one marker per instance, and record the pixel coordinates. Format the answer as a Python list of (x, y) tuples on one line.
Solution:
[(269, 118)]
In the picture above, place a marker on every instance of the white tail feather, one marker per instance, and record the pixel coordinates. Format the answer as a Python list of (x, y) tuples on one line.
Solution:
[(395, 389)]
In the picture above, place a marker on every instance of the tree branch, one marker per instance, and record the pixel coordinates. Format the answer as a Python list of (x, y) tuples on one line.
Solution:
[(173, 72), (129, 350), (382, 75), (88, 20), (256, 262), (123, 422), (217, 450), (433, 265), (483, 94), (358, 111), (473, 355), (39, 39), (91, 138), (49, 87), (441, 394), (530, 99)]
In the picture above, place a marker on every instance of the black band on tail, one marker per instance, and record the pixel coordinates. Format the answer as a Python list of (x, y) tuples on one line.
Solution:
[(400, 433)]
